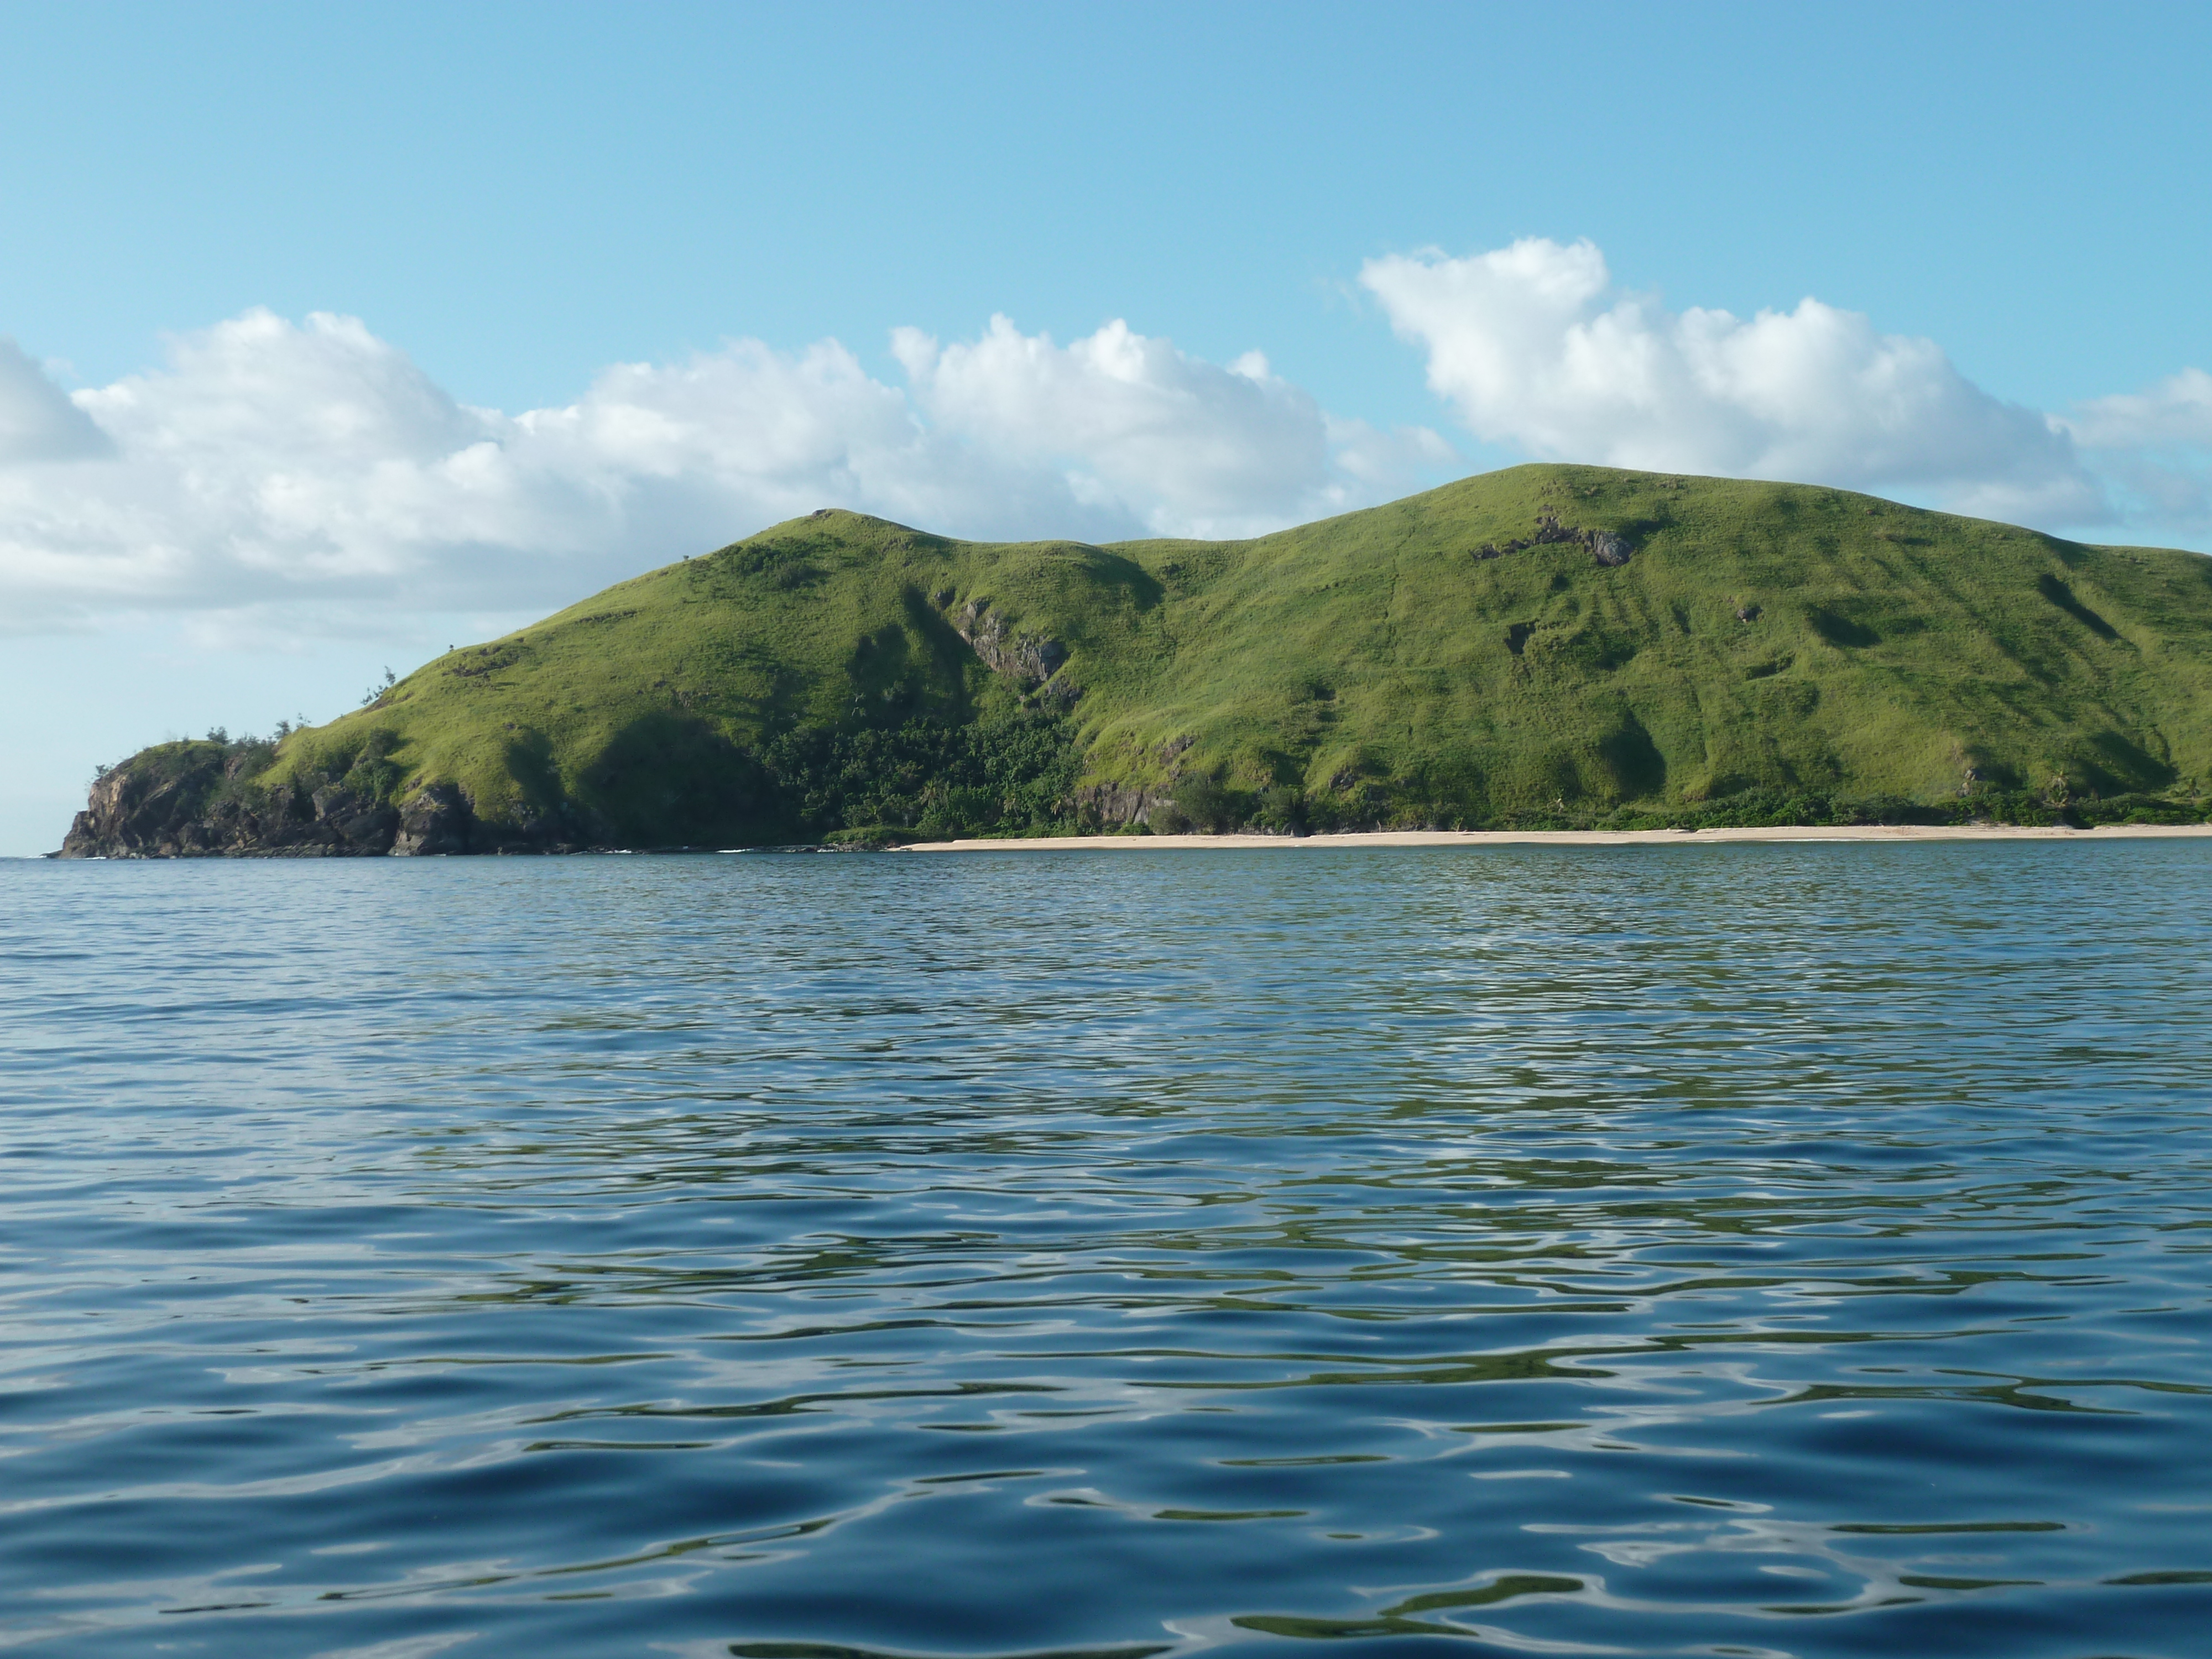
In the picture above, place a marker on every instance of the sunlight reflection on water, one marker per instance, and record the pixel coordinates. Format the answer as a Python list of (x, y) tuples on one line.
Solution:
[(1733, 1249)]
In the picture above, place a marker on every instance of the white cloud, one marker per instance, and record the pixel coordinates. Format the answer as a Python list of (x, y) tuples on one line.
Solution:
[(38, 423), (2157, 445), (1536, 348), (270, 464), (2176, 413), (1208, 451), (273, 476)]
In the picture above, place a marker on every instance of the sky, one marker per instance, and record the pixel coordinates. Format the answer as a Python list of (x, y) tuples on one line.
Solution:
[(333, 335)]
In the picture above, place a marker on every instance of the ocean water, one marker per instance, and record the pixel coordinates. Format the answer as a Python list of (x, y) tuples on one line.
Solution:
[(1726, 1249)]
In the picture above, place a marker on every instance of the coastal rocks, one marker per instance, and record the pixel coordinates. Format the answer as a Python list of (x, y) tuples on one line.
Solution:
[(436, 821), (565, 827), (350, 821), (441, 820), (136, 812), (1605, 547), (206, 799), (174, 806), (182, 801)]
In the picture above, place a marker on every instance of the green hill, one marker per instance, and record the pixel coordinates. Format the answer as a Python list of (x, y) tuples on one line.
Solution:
[(1546, 644)]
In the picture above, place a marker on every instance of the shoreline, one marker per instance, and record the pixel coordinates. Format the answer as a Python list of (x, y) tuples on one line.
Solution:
[(1857, 832)]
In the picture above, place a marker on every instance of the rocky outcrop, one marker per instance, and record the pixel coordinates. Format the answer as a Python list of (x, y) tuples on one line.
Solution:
[(1112, 802), (1605, 547), (128, 811), (436, 821), (202, 801), (1031, 658), (193, 800), (1608, 550)]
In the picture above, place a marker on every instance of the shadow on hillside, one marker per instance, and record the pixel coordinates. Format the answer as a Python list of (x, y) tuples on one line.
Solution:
[(671, 779), (1118, 571)]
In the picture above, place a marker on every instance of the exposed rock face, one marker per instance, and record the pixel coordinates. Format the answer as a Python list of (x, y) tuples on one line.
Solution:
[(1115, 802), (180, 809), (198, 800), (205, 800), (436, 821), (1605, 547), (127, 812), (1119, 802), (1031, 658)]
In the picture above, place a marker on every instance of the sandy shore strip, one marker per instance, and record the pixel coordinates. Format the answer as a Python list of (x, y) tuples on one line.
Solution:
[(1878, 832)]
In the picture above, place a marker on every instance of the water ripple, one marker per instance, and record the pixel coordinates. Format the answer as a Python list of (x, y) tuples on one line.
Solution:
[(1746, 1250)]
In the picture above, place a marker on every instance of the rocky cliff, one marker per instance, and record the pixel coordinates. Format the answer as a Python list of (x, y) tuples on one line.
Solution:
[(206, 799)]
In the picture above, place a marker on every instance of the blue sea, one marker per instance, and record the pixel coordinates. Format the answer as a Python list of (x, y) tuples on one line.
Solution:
[(1737, 1249)]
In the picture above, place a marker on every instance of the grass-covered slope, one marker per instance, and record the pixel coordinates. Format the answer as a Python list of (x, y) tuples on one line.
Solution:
[(1766, 647)]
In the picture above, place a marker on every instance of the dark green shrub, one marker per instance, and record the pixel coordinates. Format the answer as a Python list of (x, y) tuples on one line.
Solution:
[(1283, 809), (1209, 804), (1005, 774)]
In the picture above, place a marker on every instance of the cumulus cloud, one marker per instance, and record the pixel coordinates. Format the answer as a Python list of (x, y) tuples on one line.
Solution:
[(270, 462), (2157, 448), (38, 423), (1220, 452), (1536, 348), (273, 474), (2177, 412)]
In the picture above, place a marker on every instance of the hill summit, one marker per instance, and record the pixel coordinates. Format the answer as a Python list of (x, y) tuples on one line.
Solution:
[(1544, 646)]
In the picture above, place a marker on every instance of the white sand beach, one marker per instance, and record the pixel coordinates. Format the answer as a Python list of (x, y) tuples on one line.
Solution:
[(1876, 832)]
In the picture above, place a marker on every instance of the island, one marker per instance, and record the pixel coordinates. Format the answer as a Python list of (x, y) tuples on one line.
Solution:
[(1542, 649)]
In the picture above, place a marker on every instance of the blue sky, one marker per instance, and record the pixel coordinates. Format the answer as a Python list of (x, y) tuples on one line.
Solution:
[(1999, 210)]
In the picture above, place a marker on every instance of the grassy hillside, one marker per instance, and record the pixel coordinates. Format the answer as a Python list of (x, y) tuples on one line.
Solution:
[(1766, 648)]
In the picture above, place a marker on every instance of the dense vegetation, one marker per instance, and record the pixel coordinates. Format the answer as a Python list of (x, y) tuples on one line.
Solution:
[(1545, 646)]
